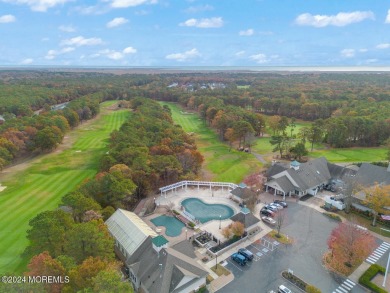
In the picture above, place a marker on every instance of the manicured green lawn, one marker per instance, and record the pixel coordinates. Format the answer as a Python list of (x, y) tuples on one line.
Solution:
[(351, 154), (220, 163), (41, 186)]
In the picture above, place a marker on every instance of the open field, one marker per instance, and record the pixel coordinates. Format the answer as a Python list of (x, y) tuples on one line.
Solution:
[(220, 163), (49, 177)]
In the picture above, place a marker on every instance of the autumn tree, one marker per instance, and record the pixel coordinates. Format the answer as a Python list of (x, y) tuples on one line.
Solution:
[(226, 232), (108, 281), (377, 198), (44, 265), (349, 246), (237, 229), (82, 276)]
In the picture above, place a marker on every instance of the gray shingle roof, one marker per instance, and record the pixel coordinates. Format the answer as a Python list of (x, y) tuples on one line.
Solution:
[(246, 219), (369, 175), (243, 193), (275, 169), (166, 271)]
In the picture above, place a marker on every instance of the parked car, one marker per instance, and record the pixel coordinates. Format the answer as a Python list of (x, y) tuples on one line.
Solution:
[(268, 220), (238, 258), (284, 289), (271, 208), (266, 212), (245, 252), (281, 202), (276, 205)]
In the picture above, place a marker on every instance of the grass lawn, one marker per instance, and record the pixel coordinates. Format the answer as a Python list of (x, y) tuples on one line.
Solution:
[(41, 186), (220, 270), (220, 163), (351, 154)]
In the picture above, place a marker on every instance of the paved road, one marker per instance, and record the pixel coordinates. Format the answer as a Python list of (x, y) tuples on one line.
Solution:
[(310, 231), (260, 158)]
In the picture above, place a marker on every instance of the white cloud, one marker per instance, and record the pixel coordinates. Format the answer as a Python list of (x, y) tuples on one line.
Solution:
[(248, 32), (92, 10), (240, 53), (67, 28), (348, 53), (81, 41), (340, 19), (388, 17), (383, 46), (7, 18), (51, 54), (199, 8), (204, 22), (115, 55), (38, 5), (27, 61), (129, 50), (263, 58), (364, 50), (259, 58), (187, 55), (130, 3), (117, 21)]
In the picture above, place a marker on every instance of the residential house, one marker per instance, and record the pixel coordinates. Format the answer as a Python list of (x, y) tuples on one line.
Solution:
[(153, 266)]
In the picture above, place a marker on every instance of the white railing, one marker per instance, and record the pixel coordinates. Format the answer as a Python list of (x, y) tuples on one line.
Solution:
[(210, 184)]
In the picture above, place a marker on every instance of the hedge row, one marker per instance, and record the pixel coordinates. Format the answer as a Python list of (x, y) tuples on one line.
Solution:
[(368, 275), (300, 283)]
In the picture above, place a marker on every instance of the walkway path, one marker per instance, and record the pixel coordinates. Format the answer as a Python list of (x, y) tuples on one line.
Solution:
[(260, 158)]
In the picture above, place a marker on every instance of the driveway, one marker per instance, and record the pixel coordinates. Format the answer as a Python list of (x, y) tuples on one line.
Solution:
[(310, 231)]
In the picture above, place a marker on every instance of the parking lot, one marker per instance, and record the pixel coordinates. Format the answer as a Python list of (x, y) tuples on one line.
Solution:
[(309, 230)]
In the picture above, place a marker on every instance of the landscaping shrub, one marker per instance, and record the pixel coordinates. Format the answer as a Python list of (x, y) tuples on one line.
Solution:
[(368, 275), (191, 224), (176, 212), (312, 289), (333, 216), (201, 289)]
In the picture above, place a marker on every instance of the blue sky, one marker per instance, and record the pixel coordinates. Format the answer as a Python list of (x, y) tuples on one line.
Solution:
[(194, 33)]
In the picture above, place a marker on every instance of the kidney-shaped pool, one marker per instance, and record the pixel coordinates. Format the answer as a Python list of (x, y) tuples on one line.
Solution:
[(205, 212)]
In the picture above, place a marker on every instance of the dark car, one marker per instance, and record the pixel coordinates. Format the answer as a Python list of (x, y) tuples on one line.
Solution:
[(281, 202), (267, 213), (245, 252), (238, 258)]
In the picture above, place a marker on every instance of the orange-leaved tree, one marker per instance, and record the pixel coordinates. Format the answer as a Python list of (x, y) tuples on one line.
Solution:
[(377, 198), (349, 245)]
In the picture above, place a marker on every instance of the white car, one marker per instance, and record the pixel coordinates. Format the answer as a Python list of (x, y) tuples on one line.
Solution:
[(284, 289), (276, 205), (268, 220)]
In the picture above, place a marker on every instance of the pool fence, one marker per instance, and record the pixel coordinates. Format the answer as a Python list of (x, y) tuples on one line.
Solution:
[(185, 184)]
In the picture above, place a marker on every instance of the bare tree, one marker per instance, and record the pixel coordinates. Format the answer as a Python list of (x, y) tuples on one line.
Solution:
[(279, 219), (348, 189)]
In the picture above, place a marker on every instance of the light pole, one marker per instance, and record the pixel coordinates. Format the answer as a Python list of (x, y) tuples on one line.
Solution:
[(216, 260), (220, 216), (186, 233), (387, 268)]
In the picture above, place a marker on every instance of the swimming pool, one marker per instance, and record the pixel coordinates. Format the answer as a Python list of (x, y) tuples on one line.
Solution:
[(205, 212), (172, 225)]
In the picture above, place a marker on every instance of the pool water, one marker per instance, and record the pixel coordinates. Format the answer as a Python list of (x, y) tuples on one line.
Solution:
[(205, 212), (172, 225)]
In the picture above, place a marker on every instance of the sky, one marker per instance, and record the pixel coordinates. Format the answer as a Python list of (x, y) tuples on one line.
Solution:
[(155, 33)]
